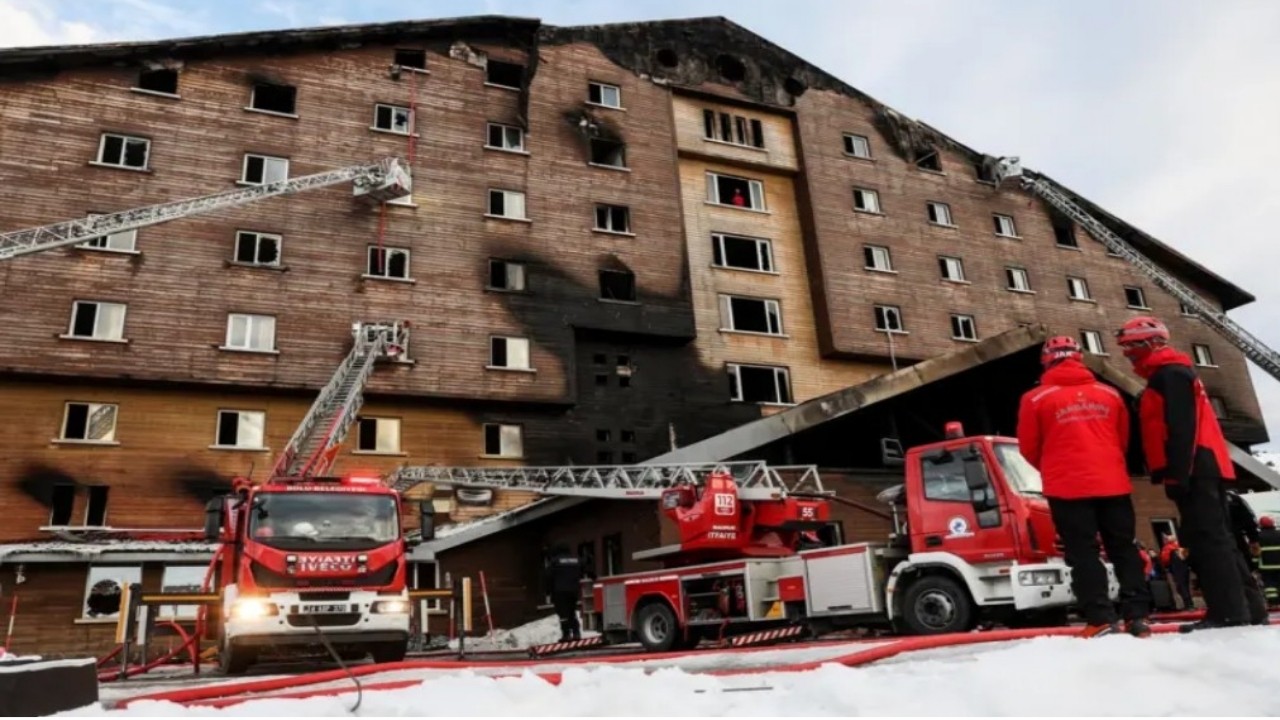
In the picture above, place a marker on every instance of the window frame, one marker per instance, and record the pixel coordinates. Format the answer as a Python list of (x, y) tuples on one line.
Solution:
[(957, 326), (217, 429), (523, 275), (484, 439), (388, 253), (411, 128), (845, 143), (1142, 298), (635, 290), (506, 341), (506, 195), (109, 439), (122, 574), (266, 163), (945, 265), (781, 384), (764, 253), (879, 309), (1086, 345), (931, 209), (1010, 271), (726, 313), (1012, 224), (378, 421), (251, 320), (1208, 355), (257, 247), (608, 209), (1071, 289), (253, 96), (105, 240), (867, 193), (504, 129), (97, 321), (125, 140), (592, 84), (869, 255), (755, 192)]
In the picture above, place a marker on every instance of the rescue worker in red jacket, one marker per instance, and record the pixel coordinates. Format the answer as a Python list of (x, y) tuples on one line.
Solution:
[(1186, 452), (1075, 430)]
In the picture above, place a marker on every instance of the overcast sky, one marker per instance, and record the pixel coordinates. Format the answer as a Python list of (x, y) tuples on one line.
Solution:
[(1165, 112)]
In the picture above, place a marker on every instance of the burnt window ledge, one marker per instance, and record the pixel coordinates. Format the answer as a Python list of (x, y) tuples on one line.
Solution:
[(113, 166), (602, 166), (90, 443), (86, 338), (508, 291), (155, 93), (756, 333), (277, 113), (406, 68), (931, 172), (402, 281)]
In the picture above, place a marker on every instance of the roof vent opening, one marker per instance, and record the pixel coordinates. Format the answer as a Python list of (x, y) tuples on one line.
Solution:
[(667, 57), (731, 68)]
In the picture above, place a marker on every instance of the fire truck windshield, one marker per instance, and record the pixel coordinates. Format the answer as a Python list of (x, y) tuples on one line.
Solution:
[(1023, 478), (347, 521)]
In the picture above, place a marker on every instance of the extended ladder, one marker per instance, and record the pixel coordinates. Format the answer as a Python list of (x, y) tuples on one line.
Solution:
[(312, 448), (384, 180), (1252, 347), (755, 480)]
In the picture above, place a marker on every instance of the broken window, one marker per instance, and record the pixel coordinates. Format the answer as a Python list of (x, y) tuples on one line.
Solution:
[(745, 314), (604, 94), (741, 253), (505, 137), (1091, 340), (274, 98), (503, 440), (161, 80), (930, 161), (378, 435), (506, 275), (1078, 288), (255, 248), (610, 153), (388, 262), (952, 268), (613, 218), (963, 327), (1063, 231), (61, 503), (241, 429), (940, 213), (857, 146), (889, 319), (1004, 226), (504, 74), (603, 435), (509, 353), (126, 151), (735, 191), (1135, 298), (264, 169), (96, 320), (126, 241), (759, 384), (1016, 279), (877, 258), (392, 118), (89, 422), (734, 129), (506, 204), (865, 200), (1203, 356), (627, 436), (411, 58), (617, 285)]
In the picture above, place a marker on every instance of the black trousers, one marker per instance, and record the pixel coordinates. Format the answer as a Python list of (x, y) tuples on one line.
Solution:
[(566, 605), (1079, 523), (1211, 551), (1182, 583)]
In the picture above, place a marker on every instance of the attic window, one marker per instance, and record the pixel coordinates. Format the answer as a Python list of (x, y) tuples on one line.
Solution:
[(163, 81), (409, 58), (504, 74), (1064, 232), (930, 161), (270, 97), (610, 153)]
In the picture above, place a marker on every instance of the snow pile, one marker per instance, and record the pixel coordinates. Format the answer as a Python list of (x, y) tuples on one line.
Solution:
[(95, 548), (538, 632), (1219, 673), (6, 656), (1270, 459)]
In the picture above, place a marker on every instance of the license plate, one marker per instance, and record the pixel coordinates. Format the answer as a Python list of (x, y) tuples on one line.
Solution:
[(322, 609)]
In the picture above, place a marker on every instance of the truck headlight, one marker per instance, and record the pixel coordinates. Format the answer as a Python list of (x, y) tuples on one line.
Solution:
[(1040, 577), (252, 608), (391, 606)]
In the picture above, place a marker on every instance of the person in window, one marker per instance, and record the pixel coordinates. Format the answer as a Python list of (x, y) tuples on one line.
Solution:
[(1074, 430), (1187, 454), (738, 199), (563, 577)]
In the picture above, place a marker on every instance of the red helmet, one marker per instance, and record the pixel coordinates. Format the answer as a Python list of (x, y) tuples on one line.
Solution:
[(1142, 329), (1059, 348)]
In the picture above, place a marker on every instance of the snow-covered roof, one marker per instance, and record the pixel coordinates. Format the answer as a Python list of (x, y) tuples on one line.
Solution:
[(122, 550)]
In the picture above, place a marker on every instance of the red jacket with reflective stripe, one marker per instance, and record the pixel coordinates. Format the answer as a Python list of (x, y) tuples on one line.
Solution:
[(1180, 432), (1075, 430)]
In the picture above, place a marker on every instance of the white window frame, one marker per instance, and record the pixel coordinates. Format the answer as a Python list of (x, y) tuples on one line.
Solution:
[(952, 268), (506, 134), (1005, 226), (861, 196), (90, 409), (1013, 271), (939, 213), (521, 275), (507, 197), (251, 321), (1142, 298), (244, 420), (781, 384), (388, 254), (608, 215), (180, 578), (880, 260), (106, 327), (958, 322), (125, 142), (742, 129), (1091, 341), (1073, 283), (432, 605), (507, 432), (387, 435), (755, 192), (888, 311), (122, 574), (268, 162), (125, 242), (396, 110), (520, 359), (603, 101), (257, 246), (1203, 355), (764, 253), (852, 139), (772, 311)]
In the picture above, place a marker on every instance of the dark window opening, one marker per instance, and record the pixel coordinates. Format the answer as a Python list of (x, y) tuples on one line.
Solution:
[(624, 381), (77, 421), (498, 352), (275, 98), (228, 428), (627, 436), (668, 58), (888, 318), (257, 249), (587, 557), (612, 546), (1064, 231), (742, 253), (505, 275), (96, 514), (617, 285), (608, 152), (504, 73), (600, 359), (416, 59), (367, 434), (163, 80), (85, 320), (388, 262), (604, 457), (624, 360), (731, 68), (930, 161), (602, 380), (62, 501), (754, 315), (628, 458), (759, 384), (727, 190), (613, 218), (604, 435), (1135, 297)]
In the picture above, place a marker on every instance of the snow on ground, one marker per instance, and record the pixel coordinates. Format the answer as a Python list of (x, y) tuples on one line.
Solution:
[(538, 632), (1225, 672)]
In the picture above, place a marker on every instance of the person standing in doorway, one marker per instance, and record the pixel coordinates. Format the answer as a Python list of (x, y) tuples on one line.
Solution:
[(563, 577), (1074, 430), (1187, 454)]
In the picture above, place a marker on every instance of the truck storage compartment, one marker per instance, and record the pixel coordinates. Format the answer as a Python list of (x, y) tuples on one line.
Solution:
[(842, 580)]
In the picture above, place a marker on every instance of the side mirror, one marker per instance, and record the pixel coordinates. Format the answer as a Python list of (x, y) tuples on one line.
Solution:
[(427, 519), (975, 476), (213, 517), (891, 454)]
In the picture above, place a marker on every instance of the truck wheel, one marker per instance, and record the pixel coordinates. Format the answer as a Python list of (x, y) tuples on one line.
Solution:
[(234, 660), (935, 604), (656, 625), (389, 651)]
